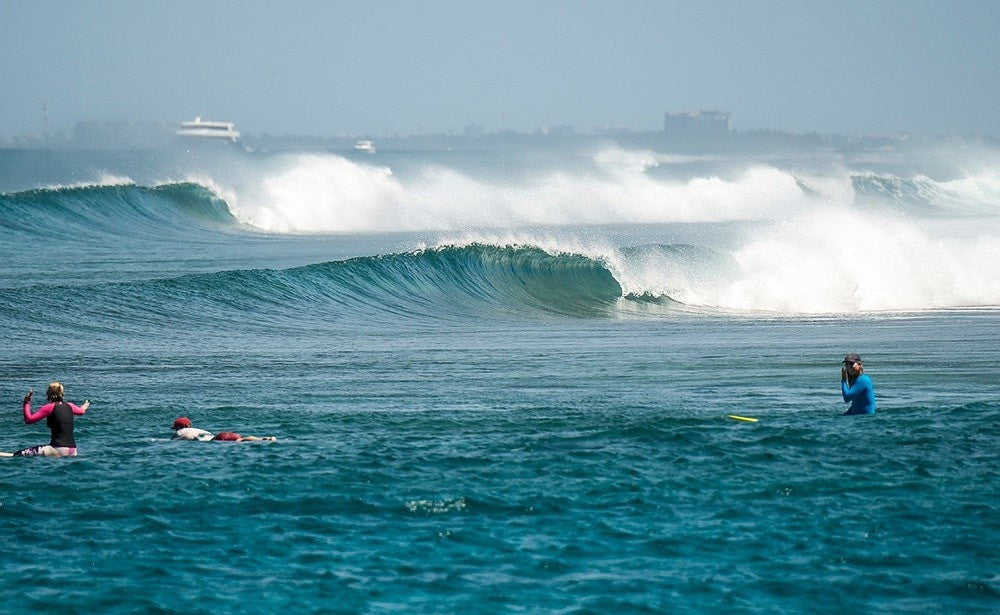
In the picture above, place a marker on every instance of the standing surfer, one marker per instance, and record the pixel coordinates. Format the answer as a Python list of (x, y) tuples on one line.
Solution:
[(59, 416), (856, 386)]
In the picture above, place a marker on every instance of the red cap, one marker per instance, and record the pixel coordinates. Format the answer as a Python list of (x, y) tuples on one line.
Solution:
[(182, 422)]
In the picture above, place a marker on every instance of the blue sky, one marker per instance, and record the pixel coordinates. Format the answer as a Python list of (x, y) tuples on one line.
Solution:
[(417, 67)]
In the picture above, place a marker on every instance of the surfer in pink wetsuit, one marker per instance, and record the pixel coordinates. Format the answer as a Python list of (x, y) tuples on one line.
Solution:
[(184, 431), (59, 416)]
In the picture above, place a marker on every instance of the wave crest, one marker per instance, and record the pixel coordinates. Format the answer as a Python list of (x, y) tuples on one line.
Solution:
[(115, 208)]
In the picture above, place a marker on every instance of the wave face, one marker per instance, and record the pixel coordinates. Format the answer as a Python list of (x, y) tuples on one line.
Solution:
[(612, 233), (451, 283), (432, 285), (118, 208)]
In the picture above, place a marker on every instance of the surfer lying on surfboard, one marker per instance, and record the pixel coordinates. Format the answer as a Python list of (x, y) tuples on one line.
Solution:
[(59, 417), (184, 431)]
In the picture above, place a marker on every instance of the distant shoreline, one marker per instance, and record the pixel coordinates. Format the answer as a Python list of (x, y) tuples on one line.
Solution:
[(106, 136)]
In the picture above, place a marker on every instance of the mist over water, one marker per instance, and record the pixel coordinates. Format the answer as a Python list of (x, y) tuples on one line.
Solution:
[(332, 194), (830, 233), (467, 357)]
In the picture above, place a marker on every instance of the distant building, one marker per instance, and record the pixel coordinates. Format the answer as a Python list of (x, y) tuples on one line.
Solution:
[(697, 124)]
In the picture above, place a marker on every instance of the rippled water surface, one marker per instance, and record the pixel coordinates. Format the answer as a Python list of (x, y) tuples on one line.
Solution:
[(519, 424), (585, 465)]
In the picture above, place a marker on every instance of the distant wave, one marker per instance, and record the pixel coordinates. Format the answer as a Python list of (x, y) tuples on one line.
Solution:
[(329, 194), (117, 207), (969, 195), (313, 193), (766, 240), (326, 193)]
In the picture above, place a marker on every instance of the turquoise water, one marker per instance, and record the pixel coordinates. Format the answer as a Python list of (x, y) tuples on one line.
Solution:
[(524, 415)]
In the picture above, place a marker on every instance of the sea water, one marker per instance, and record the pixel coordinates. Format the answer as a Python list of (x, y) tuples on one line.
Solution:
[(500, 381)]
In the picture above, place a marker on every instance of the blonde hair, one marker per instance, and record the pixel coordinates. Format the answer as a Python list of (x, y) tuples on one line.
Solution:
[(55, 392)]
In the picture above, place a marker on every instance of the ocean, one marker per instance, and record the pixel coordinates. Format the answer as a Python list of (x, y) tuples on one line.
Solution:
[(499, 380)]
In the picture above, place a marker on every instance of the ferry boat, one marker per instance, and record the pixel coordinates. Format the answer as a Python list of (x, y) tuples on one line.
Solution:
[(365, 146), (202, 129)]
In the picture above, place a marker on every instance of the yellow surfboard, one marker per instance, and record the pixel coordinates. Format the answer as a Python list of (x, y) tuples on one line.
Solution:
[(746, 419)]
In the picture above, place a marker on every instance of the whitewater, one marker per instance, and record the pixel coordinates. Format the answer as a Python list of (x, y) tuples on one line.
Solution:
[(499, 378), (756, 237)]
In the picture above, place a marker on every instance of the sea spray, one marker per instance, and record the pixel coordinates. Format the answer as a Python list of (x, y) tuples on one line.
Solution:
[(737, 235), (453, 406), (317, 194)]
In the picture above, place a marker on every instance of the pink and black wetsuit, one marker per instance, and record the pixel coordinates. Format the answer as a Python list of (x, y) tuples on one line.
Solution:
[(59, 417)]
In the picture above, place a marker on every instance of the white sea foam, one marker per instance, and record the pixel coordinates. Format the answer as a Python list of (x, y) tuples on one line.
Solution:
[(844, 261), (979, 192), (330, 194), (806, 246), (822, 261)]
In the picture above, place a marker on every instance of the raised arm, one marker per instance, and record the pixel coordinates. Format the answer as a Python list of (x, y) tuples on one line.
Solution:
[(80, 409), (33, 417)]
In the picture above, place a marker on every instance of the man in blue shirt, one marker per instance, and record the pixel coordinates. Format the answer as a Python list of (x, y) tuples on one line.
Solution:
[(857, 386)]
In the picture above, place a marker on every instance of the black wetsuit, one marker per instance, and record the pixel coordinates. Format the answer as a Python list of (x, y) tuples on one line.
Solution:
[(60, 422)]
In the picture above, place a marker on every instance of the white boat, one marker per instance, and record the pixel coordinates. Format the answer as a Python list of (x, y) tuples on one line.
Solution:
[(203, 129), (365, 146)]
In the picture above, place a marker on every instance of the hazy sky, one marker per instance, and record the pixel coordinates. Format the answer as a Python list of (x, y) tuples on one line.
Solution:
[(405, 67)]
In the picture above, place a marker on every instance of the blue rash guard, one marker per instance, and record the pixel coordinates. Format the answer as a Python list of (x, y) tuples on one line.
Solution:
[(861, 395)]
